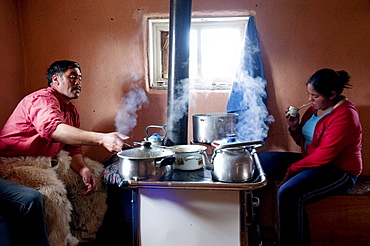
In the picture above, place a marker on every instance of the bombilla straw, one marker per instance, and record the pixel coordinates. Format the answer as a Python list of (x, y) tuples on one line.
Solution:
[(304, 105)]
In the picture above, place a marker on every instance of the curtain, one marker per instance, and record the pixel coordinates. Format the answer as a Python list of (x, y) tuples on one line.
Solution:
[(248, 95)]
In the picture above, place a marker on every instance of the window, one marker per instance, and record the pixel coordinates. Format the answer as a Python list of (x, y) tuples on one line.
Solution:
[(215, 49)]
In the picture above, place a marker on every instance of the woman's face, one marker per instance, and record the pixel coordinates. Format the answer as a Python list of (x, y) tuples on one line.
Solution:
[(317, 100)]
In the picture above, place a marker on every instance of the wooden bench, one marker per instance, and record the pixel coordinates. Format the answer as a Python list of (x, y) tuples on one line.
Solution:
[(342, 220)]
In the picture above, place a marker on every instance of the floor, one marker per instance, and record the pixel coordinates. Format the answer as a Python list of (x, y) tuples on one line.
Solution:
[(268, 236)]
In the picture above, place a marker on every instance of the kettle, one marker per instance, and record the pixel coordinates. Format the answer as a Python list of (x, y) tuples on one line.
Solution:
[(156, 139), (232, 161)]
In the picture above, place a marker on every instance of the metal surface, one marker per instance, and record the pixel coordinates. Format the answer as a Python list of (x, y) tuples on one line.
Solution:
[(255, 144), (202, 180), (178, 77), (145, 152), (156, 140), (232, 165), (145, 163), (149, 170)]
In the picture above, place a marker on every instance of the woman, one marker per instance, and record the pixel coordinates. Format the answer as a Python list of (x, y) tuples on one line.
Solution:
[(330, 137)]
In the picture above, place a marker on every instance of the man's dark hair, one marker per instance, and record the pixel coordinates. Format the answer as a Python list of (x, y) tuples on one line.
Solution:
[(60, 67)]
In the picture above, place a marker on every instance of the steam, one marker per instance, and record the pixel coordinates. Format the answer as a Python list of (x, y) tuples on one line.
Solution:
[(133, 101), (179, 107), (253, 119), (248, 97)]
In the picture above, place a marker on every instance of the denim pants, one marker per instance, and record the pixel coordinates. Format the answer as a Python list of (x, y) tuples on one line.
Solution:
[(23, 209), (308, 186)]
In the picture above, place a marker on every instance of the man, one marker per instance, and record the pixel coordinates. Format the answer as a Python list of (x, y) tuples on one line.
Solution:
[(23, 211), (46, 122)]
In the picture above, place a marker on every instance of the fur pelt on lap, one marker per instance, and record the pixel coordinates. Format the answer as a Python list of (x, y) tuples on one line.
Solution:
[(56, 184), (88, 211)]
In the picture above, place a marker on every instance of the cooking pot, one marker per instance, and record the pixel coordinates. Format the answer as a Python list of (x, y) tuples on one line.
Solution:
[(213, 126), (188, 157), (233, 162), (145, 163)]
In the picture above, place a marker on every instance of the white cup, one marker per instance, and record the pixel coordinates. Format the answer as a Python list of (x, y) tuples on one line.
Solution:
[(293, 111)]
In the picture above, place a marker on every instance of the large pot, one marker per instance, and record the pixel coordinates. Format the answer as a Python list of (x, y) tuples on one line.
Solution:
[(145, 163), (213, 126), (188, 157)]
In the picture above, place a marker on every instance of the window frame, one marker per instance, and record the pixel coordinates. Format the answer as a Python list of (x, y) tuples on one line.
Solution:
[(158, 25)]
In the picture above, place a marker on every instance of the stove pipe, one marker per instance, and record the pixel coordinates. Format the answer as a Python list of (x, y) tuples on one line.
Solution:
[(178, 76)]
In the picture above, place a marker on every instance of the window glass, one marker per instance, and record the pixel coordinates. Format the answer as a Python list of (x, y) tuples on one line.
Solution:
[(215, 49)]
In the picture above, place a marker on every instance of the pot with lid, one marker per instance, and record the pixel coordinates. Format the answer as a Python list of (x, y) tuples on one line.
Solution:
[(145, 163), (213, 126)]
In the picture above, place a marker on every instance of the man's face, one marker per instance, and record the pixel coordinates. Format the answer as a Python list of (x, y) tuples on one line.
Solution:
[(68, 83)]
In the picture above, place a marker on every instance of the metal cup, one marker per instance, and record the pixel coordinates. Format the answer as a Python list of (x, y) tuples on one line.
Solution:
[(293, 111)]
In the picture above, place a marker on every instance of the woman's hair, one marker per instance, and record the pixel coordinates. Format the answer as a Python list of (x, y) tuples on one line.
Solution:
[(326, 80), (59, 67)]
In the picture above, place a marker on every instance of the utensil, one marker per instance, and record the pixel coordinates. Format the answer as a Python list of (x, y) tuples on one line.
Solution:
[(293, 110), (212, 126), (156, 139), (145, 163), (188, 157), (233, 162)]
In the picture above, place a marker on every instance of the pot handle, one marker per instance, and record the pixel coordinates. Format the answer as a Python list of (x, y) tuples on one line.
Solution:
[(169, 160), (206, 163), (155, 126), (190, 158)]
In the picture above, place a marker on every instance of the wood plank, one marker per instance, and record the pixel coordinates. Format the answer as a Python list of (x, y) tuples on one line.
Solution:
[(340, 220)]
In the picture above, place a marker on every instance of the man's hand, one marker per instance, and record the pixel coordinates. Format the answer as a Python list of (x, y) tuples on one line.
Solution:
[(67, 134), (114, 141), (88, 179), (78, 165)]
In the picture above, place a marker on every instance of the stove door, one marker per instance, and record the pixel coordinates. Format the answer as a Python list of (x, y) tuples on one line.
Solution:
[(191, 217)]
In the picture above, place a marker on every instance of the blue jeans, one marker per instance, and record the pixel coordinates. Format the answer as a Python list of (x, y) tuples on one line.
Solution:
[(308, 186), (23, 208)]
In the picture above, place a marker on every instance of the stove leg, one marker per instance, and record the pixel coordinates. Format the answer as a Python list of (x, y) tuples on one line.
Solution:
[(250, 233)]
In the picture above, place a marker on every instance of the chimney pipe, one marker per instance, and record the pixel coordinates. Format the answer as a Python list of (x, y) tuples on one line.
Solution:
[(178, 76)]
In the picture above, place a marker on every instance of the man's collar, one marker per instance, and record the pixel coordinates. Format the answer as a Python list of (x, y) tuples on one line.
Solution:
[(62, 100), (60, 96)]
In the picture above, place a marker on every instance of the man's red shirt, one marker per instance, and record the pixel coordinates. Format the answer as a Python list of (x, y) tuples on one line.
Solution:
[(28, 131)]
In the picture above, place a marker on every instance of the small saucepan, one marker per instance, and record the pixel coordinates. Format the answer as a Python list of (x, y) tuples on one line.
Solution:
[(188, 157)]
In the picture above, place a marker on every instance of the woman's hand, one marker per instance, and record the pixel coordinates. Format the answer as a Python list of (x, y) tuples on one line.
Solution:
[(293, 122)]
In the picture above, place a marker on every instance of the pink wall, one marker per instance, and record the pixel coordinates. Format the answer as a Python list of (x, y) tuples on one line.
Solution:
[(12, 62), (108, 39)]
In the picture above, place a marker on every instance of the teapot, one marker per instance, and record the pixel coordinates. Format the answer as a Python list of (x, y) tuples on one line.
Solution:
[(156, 139), (232, 161)]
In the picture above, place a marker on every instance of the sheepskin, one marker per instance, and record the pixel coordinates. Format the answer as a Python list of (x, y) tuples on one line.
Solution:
[(70, 216)]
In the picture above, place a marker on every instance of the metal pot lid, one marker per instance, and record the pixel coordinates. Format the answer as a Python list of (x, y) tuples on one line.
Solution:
[(234, 143), (187, 148), (145, 152), (215, 115)]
